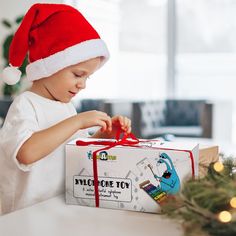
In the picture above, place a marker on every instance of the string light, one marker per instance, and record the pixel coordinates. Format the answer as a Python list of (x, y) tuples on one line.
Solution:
[(233, 202), (225, 216), (218, 166)]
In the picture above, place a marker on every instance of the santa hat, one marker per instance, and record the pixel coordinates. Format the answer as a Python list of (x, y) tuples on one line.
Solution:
[(54, 36)]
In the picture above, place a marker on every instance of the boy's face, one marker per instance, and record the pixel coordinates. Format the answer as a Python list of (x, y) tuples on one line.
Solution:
[(66, 83)]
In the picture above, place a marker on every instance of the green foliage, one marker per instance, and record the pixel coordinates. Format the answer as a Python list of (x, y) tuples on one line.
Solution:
[(6, 23), (19, 19), (9, 90), (6, 46), (198, 205)]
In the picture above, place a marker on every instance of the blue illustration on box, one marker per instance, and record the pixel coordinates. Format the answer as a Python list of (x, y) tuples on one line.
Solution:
[(168, 182)]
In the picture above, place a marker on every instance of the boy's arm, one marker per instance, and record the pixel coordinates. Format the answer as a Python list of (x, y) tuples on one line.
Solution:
[(43, 142)]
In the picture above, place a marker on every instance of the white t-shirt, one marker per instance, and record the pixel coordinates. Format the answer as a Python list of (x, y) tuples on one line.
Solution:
[(23, 185)]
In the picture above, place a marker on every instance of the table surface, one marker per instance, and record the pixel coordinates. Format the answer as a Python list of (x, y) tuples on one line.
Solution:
[(54, 217)]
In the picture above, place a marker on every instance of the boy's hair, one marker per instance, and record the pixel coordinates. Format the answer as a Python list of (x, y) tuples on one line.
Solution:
[(55, 36)]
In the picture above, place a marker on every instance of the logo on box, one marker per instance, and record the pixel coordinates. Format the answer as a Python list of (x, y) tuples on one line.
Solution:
[(103, 156)]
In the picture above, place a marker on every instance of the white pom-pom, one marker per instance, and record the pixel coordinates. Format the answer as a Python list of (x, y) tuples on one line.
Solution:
[(11, 75)]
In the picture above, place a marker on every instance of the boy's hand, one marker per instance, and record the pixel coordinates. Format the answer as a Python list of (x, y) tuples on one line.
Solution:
[(95, 118), (118, 122), (121, 122)]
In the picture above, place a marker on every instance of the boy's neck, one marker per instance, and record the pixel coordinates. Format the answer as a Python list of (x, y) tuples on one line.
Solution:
[(40, 90)]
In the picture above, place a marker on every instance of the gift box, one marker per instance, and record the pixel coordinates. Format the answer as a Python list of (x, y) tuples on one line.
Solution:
[(128, 175), (207, 154)]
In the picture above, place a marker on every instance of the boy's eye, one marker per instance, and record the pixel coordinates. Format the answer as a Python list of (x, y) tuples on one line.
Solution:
[(77, 75), (81, 76)]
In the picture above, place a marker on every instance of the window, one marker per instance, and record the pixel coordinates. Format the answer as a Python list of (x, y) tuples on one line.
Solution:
[(142, 54), (135, 32), (206, 49), (206, 52)]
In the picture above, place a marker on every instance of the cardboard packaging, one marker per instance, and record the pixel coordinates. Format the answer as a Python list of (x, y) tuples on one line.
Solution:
[(207, 155), (134, 178)]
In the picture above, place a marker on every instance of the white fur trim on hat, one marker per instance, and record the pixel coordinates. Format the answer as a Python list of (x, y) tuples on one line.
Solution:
[(11, 75), (70, 56)]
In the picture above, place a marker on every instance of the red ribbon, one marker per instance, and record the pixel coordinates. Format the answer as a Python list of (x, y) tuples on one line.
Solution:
[(127, 140), (108, 145)]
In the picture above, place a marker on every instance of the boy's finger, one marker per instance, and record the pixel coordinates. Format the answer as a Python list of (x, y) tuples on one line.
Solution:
[(103, 125), (108, 122), (127, 121), (122, 120), (129, 130), (109, 126), (118, 120)]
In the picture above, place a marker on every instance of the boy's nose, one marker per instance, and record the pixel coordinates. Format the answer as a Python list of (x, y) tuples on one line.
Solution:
[(81, 84)]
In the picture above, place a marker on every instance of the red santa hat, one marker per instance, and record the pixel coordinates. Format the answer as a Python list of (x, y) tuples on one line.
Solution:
[(54, 36)]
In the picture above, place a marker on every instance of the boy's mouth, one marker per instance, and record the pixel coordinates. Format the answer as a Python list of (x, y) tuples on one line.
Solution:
[(72, 93)]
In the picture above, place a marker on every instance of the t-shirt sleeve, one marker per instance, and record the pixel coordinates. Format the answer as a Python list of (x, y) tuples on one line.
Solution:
[(20, 124)]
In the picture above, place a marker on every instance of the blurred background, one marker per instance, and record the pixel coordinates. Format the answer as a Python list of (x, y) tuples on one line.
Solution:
[(172, 66)]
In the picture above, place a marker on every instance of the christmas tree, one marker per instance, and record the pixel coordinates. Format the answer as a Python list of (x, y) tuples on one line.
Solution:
[(207, 206)]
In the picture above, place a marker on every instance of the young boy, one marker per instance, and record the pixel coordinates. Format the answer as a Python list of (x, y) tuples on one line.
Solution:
[(63, 50)]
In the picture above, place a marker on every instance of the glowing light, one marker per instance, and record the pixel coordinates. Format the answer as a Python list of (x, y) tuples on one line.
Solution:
[(233, 202), (218, 166), (225, 216)]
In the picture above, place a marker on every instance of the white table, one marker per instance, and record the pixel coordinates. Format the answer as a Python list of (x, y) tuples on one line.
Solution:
[(54, 217)]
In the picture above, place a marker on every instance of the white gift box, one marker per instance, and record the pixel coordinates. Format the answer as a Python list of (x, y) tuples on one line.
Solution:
[(135, 177)]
